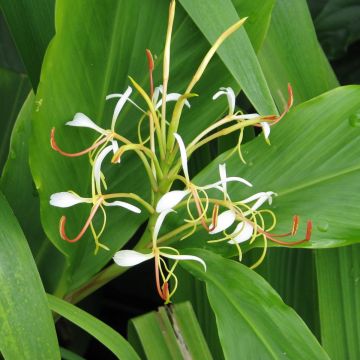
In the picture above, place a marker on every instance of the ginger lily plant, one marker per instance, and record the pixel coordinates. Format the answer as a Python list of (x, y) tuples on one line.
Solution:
[(163, 155)]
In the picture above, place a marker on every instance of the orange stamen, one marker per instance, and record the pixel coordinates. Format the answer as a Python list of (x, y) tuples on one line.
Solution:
[(83, 152), (83, 230), (151, 69), (157, 279), (199, 209), (165, 291), (214, 217), (275, 119)]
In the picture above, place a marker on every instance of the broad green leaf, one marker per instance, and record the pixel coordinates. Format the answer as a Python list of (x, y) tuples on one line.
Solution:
[(338, 276), (253, 321), (68, 86), (27, 329), (312, 165), (171, 333), (32, 31), (102, 332), (212, 18), (291, 54), (16, 175)]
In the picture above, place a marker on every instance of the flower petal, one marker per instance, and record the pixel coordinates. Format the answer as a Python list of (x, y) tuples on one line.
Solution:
[(129, 258), (81, 120), (243, 232), (170, 200), (115, 148), (125, 205), (97, 166), (117, 96), (171, 97), (119, 106), (185, 257), (159, 222), (266, 129), (66, 199), (260, 198), (222, 172), (183, 155), (157, 91), (231, 98), (229, 179), (224, 220)]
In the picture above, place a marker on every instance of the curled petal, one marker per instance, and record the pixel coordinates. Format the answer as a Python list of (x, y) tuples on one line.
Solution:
[(224, 220), (66, 199), (125, 205), (81, 120), (97, 166), (243, 232), (222, 172), (119, 105), (127, 258), (118, 96), (158, 90), (171, 97), (229, 92), (183, 155), (266, 129), (226, 180), (115, 148), (185, 257), (170, 200), (159, 222)]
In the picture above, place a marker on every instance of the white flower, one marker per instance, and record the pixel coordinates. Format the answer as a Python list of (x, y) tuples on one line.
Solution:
[(127, 258), (260, 198), (229, 92), (169, 97)]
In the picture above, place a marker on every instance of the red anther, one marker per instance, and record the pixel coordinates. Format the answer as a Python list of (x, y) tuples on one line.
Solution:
[(151, 69), (82, 231), (275, 119), (214, 217), (165, 291), (157, 279), (295, 225), (199, 209), (83, 152), (308, 230)]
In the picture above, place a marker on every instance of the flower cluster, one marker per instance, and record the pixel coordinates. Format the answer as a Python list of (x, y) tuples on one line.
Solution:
[(165, 159)]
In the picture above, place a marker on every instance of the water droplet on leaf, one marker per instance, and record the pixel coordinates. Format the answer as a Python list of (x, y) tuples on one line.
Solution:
[(323, 226), (354, 119)]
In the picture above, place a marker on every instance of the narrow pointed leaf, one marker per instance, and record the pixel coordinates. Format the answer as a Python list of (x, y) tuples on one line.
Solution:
[(212, 18), (102, 332), (27, 328)]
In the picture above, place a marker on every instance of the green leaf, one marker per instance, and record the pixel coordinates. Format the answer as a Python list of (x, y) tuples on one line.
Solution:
[(212, 18), (16, 175), (291, 54), (338, 275), (253, 322), (171, 333), (318, 175), (32, 31), (102, 332), (27, 329)]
